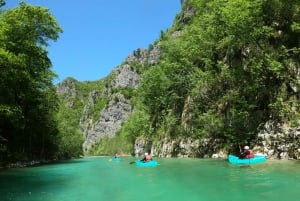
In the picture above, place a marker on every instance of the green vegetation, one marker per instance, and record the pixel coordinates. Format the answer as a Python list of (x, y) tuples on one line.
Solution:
[(233, 67), (109, 146), (28, 97), (71, 109), (225, 69), (70, 138)]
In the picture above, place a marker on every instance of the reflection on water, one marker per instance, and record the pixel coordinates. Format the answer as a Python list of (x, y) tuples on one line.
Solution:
[(99, 178)]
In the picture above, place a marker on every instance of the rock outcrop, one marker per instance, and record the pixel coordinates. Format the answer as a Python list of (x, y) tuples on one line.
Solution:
[(181, 147), (276, 141), (119, 107), (109, 122), (279, 141), (67, 89)]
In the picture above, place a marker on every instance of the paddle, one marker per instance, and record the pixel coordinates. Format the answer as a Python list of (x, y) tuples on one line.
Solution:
[(132, 162)]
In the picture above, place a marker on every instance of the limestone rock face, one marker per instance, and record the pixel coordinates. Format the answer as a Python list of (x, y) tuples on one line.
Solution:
[(181, 147), (95, 124), (279, 141), (126, 77), (67, 89), (275, 141), (109, 122)]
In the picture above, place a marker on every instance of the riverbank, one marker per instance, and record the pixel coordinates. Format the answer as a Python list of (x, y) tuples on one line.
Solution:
[(22, 164)]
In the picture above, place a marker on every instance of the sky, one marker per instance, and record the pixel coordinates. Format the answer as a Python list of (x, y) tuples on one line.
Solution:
[(99, 34)]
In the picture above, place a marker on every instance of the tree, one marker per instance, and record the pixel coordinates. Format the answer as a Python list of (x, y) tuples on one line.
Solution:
[(2, 3), (238, 63), (28, 97)]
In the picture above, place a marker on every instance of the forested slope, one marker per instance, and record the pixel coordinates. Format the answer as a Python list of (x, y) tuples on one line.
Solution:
[(28, 100), (225, 74), (233, 67), (226, 69), (221, 75)]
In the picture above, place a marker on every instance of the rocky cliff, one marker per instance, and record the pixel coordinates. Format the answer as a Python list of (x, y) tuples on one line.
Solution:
[(96, 124), (275, 140)]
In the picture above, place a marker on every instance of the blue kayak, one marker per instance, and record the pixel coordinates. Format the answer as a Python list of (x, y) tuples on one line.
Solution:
[(116, 159), (257, 159), (146, 164)]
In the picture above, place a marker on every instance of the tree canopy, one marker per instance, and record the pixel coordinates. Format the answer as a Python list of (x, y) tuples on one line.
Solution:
[(232, 66), (28, 98)]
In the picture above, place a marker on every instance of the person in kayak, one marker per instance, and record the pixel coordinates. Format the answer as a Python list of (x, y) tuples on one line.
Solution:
[(247, 153), (117, 155), (147, 158)]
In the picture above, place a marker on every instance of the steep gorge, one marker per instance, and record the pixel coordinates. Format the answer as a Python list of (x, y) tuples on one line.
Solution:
[(109, 102)]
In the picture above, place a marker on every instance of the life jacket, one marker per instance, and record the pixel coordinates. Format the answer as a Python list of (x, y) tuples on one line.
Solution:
[(148, 158), (251, 154)]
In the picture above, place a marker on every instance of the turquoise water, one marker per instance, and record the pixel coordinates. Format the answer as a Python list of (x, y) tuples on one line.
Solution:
[(100, 179)]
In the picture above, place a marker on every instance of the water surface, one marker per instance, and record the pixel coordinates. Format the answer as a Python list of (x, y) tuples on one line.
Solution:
[(100, 179)]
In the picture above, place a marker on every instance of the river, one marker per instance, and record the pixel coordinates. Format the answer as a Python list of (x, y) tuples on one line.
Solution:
[(174, 179)]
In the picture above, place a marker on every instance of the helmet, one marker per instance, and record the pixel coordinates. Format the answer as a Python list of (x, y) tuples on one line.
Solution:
[(146, 154), (246, 147)]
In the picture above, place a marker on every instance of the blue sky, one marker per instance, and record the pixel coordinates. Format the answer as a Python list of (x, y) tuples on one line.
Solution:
[(99, 34)]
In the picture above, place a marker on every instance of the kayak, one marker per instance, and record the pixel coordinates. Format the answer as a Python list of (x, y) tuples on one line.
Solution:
[(257, 159), (152, 163), (116, 159)]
